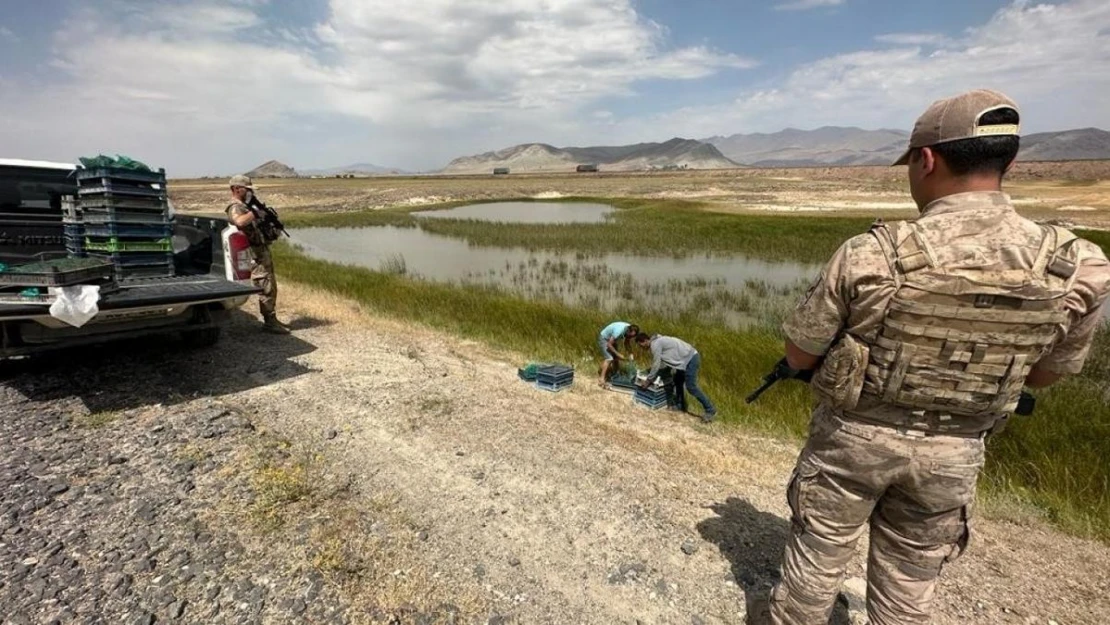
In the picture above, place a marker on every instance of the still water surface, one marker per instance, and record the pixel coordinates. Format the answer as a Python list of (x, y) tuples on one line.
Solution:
[(526, 212), (446, 259)]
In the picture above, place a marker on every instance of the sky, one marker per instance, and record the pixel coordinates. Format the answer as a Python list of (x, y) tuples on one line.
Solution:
[(210, 87)]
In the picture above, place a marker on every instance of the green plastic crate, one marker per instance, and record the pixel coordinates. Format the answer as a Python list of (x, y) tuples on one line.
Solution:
[(114, 244)]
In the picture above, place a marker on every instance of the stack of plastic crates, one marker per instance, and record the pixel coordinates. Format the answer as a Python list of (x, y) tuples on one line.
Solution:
[(74, 227), (654, 396), (554, 377), (126, 219)]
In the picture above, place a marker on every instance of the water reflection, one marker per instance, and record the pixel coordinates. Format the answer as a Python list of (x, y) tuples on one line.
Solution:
[(733, 290)]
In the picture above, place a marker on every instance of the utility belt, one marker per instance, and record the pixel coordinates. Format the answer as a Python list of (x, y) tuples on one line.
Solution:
[(921, 426)]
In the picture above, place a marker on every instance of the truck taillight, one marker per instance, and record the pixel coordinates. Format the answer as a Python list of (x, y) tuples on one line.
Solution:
[(240, 250)]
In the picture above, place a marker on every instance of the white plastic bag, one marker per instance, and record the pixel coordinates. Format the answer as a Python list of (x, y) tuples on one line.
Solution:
[(75, 305)]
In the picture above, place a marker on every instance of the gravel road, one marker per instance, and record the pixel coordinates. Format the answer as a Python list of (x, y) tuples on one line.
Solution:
[(367, 471)]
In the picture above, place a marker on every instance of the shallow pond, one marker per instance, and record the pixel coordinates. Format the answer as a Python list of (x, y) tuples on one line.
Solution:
[(526, 212), (731, 289)]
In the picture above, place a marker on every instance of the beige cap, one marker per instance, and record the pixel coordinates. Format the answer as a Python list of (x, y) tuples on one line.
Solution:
[(241, 181), (957, 118)]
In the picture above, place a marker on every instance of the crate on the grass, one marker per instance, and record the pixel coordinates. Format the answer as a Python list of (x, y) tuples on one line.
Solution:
[(554, 377), (652, 397)]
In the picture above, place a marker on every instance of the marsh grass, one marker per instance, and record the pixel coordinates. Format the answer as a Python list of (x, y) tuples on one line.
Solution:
[(1055, 460)]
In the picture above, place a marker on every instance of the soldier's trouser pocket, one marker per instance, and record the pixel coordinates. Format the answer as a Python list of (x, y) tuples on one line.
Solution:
[(828, 514)]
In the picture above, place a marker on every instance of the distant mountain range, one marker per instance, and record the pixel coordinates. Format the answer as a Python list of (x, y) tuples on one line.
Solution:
[(1067, 145), (541, 157), (357, 169), (837, 146), (831, 146)]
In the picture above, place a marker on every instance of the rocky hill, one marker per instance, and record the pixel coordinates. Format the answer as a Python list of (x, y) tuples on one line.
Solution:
[(838, 146), (541, 157), (831, 145), (273, 169), (1084, 143)]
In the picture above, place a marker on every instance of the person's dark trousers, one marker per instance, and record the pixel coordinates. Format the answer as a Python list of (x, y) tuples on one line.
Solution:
[(676, 392), (691, 380)]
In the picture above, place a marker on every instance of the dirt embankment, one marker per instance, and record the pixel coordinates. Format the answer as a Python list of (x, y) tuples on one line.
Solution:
[(364, 470)]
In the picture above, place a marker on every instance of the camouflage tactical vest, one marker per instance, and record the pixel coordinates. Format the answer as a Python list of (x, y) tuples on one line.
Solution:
[(959, 339), (254, 234)]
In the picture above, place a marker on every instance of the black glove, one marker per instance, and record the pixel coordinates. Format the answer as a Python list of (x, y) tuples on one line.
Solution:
[(786, 372)]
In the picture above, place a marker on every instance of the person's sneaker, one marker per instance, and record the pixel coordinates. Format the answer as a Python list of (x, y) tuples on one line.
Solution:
[(709, 417)]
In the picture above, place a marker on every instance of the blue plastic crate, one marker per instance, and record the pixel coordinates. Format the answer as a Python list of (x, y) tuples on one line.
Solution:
[(653, 397), (75, 246), (554, 388), (650, 404)]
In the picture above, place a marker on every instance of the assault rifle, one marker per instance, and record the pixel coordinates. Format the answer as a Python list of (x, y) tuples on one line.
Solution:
[(782, 371), (269, 215)]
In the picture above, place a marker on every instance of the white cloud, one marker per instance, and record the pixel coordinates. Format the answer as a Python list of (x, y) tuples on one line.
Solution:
[(914, 39), (805, 5), (194, 74), (6, 33), (213, 87), (1051, 58)]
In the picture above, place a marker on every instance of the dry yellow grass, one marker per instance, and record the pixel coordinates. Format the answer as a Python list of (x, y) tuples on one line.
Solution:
[(1075, 190)]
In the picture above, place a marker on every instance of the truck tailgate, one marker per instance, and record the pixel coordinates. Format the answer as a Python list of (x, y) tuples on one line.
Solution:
[(155, 292)]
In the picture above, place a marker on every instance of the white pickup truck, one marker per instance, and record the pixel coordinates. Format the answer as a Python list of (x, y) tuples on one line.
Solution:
[(211, 267)]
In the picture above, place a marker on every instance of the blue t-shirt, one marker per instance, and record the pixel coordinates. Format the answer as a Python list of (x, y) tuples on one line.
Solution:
[(614, 330)]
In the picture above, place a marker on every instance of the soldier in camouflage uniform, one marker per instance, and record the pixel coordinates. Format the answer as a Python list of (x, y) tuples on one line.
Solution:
[(919, 337), (260, 235)]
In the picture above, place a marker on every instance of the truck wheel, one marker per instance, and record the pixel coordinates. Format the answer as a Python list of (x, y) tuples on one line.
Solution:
[(204, 337)]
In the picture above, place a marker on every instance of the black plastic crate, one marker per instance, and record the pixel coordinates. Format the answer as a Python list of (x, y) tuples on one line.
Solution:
[(139, 272), (99, 215), (112, 173), (555, 373), (111, 189), (113, 203), (57, 272), (134, 259), (554, 387), (157, 230)]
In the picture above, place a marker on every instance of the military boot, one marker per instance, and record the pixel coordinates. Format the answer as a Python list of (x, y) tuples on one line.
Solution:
[(271, 324)]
